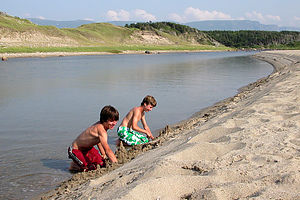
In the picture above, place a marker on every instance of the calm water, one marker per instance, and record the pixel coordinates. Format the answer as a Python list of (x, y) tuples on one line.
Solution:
[(46, 102)]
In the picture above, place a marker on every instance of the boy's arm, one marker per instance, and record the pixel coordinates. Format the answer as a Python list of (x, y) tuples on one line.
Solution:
[(146, 127), (135, 119), (102, 151), (103, 142)]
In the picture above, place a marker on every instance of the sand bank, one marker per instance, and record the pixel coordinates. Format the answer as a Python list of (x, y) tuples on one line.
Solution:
[(244, 147), (49, 54), (6, 56)]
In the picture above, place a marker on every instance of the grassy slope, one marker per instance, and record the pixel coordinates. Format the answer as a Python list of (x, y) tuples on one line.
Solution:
[(91, 37), (99, 34), (15, 24)]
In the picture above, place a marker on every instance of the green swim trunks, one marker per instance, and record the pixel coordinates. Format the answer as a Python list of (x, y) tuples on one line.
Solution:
[(131, 137)]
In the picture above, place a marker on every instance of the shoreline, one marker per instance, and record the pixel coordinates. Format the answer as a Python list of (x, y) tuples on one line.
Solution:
[(6, 56), (177, 161)]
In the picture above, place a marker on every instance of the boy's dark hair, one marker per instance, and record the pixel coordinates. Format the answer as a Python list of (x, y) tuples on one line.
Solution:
[(149, 100), (109, 113)]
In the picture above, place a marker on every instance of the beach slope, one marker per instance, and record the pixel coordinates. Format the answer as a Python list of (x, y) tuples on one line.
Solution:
[(244, 147)]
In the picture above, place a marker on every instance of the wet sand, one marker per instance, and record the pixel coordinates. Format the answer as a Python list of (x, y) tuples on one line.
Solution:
[(6, 56), (247, 146)]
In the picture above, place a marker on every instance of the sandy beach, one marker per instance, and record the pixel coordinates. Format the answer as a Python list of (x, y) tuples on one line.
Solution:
[(244, 147), (6, 56)]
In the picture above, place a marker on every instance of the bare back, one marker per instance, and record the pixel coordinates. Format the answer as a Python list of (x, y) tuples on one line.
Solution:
[(88, 138), (128, 119)]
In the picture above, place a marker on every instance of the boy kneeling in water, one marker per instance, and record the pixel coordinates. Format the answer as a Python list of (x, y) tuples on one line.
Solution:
[(82, 151)]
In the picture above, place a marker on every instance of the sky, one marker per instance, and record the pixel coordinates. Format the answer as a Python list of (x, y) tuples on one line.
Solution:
[(278, 12)]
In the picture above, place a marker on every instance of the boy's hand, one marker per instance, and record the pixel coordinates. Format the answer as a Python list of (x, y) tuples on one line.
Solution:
[(150, 135)]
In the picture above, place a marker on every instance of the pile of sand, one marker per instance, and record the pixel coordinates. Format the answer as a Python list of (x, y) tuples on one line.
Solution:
[(244, 147)]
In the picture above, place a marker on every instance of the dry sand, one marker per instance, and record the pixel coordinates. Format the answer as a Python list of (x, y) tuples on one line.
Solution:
[(245, 147)]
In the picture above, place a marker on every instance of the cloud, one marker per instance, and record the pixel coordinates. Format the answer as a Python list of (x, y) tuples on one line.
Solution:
[(195, 14), (27, 15), (175, 17), (271, 17), (297, 18), (295, 22), (124, 15), (41, 17), (121, 15), (89, 19), (112, 15), (143, 15), (262, 18)]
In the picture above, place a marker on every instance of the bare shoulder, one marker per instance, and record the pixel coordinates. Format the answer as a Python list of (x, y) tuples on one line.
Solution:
[(132, 112), (136, 110), (100, 129)]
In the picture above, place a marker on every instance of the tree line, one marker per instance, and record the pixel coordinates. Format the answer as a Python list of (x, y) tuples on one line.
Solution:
[(178, 30), (255, 39), (168, 27), (235, 39)]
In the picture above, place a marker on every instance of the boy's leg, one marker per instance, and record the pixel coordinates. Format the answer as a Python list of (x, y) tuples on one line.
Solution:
[(131, 137), (143, 139), (93, 159), (78, 158)]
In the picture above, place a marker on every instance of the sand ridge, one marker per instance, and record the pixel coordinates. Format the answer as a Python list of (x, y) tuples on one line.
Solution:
[(247, 146)]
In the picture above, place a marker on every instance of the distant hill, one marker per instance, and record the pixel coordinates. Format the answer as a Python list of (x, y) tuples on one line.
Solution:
[(121, 23), (74, 23), (209, 25), (60, 24), (15, 31), (236, 25)]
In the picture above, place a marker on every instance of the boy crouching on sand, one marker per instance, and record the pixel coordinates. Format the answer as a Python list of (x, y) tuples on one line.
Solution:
[(82, 151), (129, 131)]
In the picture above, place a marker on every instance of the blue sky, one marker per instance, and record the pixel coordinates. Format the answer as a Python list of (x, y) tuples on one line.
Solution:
[(279, 12)]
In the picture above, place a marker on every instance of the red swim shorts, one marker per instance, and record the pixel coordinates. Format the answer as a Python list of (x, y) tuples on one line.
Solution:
[(87, 160)]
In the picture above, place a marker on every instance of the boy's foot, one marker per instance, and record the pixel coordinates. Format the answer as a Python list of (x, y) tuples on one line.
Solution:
[(74, 168)]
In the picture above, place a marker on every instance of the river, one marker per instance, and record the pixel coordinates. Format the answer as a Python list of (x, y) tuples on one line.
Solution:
[(46, 102)]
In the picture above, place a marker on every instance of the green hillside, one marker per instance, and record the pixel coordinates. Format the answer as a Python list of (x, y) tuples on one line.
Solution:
[(176, 30), (99, 34), (10, 24), (21, 35), (257, 39)]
